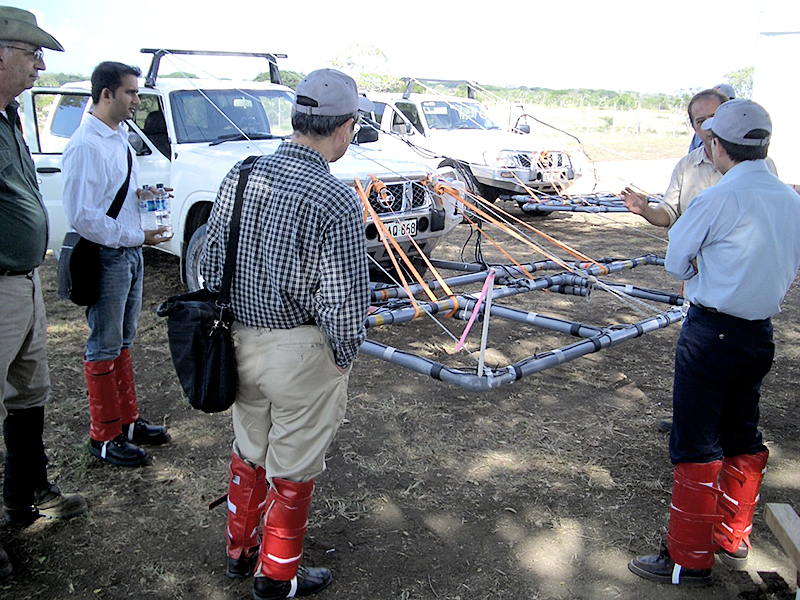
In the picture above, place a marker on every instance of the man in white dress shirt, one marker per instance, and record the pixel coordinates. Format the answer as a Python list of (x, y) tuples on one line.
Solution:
[(95, 168)]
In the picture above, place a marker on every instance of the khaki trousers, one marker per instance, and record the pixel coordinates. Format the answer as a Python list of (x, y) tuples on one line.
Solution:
[(290, 402), (24, 377)]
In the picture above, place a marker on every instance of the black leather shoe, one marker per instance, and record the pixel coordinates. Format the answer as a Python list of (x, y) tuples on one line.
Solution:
[(5, 565), (735, 560), (120, 452), (242, 567), (140, 432), (307, 581), (663, 569)]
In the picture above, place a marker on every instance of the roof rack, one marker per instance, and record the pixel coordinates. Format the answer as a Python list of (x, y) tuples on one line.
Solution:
[(152, 73), (471, 85)]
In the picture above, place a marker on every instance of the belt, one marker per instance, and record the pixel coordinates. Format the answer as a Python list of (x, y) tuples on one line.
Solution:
[(10, 273), (714, 311), (706, 308)]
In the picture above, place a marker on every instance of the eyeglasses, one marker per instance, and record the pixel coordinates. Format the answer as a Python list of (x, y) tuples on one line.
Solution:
[(37, 54)]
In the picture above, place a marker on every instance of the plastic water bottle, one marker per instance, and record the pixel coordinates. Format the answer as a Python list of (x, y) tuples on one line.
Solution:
[(163, 214), (147, 209)]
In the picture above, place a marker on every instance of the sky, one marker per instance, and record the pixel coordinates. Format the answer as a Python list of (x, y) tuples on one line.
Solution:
[(649, 46)]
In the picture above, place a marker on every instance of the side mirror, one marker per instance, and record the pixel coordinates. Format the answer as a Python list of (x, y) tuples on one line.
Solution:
[(525, 128), (365, 135)]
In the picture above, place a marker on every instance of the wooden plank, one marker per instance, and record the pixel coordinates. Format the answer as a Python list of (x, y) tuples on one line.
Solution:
[(785, 524)]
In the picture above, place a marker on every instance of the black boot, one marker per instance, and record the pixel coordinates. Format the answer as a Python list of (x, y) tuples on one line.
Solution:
[(27, 494), (26, 464), (309, 581), (141, 432), (5, 565)]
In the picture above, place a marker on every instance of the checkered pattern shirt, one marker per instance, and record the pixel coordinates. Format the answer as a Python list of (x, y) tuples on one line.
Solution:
[(302, 252)]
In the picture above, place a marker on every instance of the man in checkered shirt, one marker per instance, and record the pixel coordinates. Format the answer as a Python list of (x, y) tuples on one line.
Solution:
[(300, 296)]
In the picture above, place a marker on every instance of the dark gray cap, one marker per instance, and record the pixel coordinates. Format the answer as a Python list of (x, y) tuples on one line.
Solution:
[(19, 25), (737, 118), (330, 93)]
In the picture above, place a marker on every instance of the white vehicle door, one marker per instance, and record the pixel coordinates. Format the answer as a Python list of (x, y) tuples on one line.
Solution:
[(392, 120), (50, 117)]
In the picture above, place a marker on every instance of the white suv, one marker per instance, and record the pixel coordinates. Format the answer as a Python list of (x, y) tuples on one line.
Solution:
[(188, 133), (459, 133)]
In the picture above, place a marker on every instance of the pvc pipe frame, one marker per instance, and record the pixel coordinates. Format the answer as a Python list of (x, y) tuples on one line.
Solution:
[(460, 307), (593, 203)]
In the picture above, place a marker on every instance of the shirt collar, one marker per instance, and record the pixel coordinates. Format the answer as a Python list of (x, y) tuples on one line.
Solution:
[(745, 167), (302, 152), (700, 157), (101, 128)]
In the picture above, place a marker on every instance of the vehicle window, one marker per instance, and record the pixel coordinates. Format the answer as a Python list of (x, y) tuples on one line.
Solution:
[(378, 112), (57, 117), (150, 119), (441, 114), (213, 115), (411, 113), (148, 103)]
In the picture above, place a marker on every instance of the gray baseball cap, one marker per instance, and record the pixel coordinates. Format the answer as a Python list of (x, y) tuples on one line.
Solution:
[(726, 89), (18, 25), (330, 93), (735, 119)]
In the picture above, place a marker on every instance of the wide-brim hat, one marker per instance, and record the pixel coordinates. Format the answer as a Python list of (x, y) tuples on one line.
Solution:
[(19, 25)]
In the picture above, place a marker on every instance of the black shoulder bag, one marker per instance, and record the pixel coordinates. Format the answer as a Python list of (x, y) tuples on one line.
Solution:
[(79, 261), (199, 328)]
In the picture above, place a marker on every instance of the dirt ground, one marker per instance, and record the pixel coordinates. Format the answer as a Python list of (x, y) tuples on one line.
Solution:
[(543, 489)]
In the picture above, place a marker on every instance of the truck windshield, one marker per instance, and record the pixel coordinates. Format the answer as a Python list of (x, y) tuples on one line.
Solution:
[(214, 115), (442, 114)]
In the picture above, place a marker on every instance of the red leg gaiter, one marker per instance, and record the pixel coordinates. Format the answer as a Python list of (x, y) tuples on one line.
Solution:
[(247, 498), (693, 514), (126, 388), (285, 524), (101, 384), (740, 482)]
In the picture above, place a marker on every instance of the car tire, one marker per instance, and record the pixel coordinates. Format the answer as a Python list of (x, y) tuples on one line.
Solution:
[(192, 263)]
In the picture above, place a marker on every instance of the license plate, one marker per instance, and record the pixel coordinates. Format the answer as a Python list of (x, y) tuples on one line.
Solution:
[(551, 176), (406, 228)]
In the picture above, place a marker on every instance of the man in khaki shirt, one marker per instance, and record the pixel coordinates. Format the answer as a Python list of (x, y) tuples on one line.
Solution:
[(693, 173)]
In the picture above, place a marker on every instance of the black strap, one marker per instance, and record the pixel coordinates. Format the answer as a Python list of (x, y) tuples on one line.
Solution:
[(233, 235), (116, 206)]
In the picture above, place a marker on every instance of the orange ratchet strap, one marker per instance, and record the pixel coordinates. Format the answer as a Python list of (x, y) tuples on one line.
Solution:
[(387, 238)]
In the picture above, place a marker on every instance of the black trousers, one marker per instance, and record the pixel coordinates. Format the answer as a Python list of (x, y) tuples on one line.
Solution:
[(720, 362)]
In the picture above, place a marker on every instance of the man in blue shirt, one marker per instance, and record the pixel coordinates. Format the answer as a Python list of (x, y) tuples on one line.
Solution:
[(737, 247)]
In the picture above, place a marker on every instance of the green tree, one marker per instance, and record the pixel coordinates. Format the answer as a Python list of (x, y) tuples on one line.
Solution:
[(742, 81), (178, 75), (289, 78), (57, 79)]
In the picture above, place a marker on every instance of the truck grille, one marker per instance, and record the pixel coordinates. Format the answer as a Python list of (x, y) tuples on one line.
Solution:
[(399, 197)]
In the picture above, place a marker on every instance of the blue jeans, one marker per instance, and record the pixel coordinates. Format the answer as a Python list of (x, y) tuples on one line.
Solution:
[(115, 317), (720, 362)]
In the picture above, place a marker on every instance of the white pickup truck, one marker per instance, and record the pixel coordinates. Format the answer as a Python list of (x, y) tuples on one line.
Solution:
[(458, 132), (188, 133)]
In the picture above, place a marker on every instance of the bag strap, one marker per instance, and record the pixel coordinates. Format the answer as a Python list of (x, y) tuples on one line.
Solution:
[(233, 235), (116, 206)]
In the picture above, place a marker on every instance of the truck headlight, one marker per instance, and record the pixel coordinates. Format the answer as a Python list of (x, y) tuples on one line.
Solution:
[(509, 159)]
